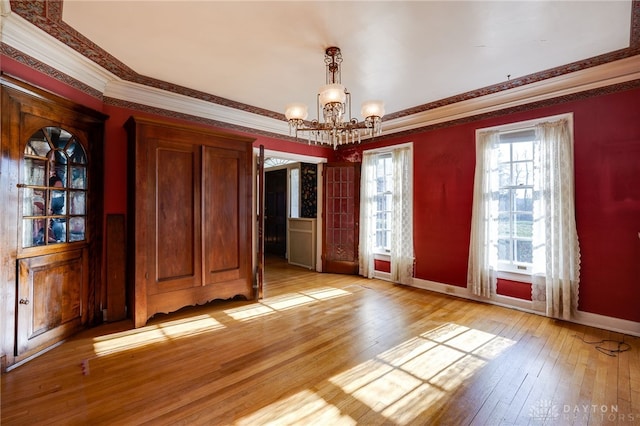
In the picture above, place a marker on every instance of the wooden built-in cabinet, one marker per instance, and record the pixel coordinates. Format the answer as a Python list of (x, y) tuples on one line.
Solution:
[(189, 219), (51, 166)]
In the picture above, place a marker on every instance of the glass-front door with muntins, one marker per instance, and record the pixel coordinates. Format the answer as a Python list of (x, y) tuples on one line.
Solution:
[(52, 266), (54, 183)]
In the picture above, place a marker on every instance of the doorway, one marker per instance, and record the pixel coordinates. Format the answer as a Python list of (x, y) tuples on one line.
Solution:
[(275, 213)]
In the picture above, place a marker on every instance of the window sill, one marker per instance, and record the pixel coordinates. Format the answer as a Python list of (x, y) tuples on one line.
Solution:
[(382, 256), (514, 276)]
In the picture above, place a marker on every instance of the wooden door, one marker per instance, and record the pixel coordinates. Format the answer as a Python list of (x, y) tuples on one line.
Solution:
[(224, 230), (341, 214), (52, 299), (51, 187), (173, 217)]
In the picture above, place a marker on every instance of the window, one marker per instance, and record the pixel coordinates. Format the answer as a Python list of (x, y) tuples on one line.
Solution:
[(54, 188), (523, 216), (386, 211), (512, 185), (383, 202)]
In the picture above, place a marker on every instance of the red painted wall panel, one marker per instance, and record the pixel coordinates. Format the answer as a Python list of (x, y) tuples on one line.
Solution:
[(382, 265), (514, 289)]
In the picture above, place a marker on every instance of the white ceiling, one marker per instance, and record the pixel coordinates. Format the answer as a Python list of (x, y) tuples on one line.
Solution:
[(408, 53)]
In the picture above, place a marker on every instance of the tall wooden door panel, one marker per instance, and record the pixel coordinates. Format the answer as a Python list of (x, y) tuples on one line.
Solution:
[(52, 299), (341, 211), (224, 226), (176, 262)]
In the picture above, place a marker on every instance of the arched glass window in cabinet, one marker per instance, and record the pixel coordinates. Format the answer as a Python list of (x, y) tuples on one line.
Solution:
[(54, 183)]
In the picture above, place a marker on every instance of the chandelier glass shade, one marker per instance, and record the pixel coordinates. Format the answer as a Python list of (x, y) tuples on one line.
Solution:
[(337, 127)]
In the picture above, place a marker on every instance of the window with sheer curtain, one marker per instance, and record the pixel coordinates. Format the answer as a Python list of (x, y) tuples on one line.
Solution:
[(523, 217), (386, 211)]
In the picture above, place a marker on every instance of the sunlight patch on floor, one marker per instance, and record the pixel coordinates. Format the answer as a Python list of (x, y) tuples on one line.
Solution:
[(157, 333), (244, 313), (324, 293), (271, 305), (305, 407), (404, 381), (396, 386)]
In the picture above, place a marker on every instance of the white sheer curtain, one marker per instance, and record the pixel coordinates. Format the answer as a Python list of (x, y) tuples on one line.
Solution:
[(556, 255), (401, 247), (483, 253), (402, 256), (367, 237)]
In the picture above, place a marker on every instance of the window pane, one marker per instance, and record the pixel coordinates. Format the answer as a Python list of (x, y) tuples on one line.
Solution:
[(382, 239), (32, 232), (75, 152), (524, 251), (381, 222), (58, 202), (523, 224), (522, 151), (33, 202), (37, 145), (388, 201), (523, 173), (57, 230), (523, 200), (78, 177), (504, 171), (58, 168), (504, 225), (383, 200), (77, 202), (76, 229), (504, 152), (34, 172), (504, 200), (504, 249), (58, 137)]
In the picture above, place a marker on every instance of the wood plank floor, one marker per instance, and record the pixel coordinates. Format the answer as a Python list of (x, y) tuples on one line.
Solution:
[(332, 350)]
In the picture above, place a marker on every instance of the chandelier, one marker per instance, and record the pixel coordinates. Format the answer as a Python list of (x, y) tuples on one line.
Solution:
[(335, 101)]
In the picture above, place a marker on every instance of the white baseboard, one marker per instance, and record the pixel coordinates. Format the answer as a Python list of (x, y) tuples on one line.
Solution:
[(618, 325)]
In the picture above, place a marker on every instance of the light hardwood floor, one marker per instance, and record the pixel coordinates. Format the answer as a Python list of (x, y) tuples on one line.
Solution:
[(331, 350)]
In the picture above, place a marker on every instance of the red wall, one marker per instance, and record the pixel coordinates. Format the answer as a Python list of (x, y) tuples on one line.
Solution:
[(513, 289), (607, 187), (607, 178)]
